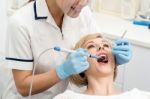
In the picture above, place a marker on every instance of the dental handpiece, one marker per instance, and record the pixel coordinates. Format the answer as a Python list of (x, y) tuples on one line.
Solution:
[(71, 51)]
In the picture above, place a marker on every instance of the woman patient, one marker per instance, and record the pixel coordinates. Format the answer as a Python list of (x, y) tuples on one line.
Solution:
[(100, 76)]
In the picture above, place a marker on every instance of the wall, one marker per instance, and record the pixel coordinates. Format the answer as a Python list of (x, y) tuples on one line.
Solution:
[(138, 70), (3, 24), (145, 4)]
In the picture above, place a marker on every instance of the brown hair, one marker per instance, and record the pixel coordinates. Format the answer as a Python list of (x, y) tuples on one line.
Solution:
[(81, 79), (31, 0)]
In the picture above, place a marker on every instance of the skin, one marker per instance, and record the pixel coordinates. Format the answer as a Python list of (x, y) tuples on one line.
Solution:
[(70, 7), (23, 78), (100, 75)]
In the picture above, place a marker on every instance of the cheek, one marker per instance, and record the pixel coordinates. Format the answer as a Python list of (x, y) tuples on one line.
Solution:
[(111, 56), (92, 63), (92, 51), (90, 60), (112, 59)]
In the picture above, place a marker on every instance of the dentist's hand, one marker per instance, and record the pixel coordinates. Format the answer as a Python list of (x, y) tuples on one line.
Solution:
[(122, 51), (75, 63)]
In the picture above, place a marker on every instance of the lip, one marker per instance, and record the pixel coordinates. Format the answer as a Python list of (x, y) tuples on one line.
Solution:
[(77, 8)]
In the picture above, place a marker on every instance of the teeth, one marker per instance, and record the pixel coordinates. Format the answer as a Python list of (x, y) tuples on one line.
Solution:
[(102, 58)]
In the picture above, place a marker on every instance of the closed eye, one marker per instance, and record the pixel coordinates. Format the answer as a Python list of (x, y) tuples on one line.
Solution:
[(91, 46), (106, 45)]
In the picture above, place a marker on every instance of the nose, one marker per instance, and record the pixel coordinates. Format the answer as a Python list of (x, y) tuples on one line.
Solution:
[(100, 48)]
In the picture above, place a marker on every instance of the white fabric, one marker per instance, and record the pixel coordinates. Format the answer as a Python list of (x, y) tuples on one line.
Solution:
[(28, 38), (14, 5), (133, 94)]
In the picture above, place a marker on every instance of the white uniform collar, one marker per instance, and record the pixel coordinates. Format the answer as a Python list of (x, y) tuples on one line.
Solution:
[(41, 12), (40, 9)]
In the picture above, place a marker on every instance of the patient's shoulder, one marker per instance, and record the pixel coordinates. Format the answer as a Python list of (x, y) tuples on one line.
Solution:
[(68, 94), (140, 93), (132, 94)]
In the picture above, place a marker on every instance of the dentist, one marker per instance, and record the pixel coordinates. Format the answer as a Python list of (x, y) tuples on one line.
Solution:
[(40, 25)]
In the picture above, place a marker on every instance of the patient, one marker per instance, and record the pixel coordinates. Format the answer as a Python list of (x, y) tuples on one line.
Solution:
[(100, 76)]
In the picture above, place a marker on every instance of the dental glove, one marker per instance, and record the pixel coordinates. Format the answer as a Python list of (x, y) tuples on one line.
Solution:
[(122, 51), (75, 63)]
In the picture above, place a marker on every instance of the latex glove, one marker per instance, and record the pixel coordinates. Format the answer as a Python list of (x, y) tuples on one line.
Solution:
[(75, 63), (122, 51)]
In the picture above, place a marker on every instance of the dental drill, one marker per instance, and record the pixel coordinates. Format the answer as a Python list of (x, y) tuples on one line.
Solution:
[(72, 51), (99, 58)]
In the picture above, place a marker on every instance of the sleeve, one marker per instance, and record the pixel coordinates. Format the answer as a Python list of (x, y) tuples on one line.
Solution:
[(18, 46)]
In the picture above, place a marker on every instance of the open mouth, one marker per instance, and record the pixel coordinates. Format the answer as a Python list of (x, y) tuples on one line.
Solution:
[(103, 58)]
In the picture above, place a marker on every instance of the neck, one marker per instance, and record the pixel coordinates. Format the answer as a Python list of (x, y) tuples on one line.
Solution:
[(55, 11), (100, 86)]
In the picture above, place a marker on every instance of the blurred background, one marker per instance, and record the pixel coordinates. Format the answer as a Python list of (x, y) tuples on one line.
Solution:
[(113, 18)]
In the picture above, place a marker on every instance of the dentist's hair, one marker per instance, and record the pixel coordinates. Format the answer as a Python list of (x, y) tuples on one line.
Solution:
[(31, 0), (81, 79)]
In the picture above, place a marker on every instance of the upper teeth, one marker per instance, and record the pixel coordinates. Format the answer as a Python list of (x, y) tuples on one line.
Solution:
[(103, 55), (102, 58)]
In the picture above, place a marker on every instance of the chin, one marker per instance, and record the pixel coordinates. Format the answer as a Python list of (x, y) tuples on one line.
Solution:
[(99, 72), (106, 69), (74, 16)]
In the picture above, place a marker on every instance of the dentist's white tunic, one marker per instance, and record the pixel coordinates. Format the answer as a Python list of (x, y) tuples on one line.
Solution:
[(31, 30)]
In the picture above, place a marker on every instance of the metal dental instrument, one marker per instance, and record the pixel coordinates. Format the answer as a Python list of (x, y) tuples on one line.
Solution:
[(124, 33)]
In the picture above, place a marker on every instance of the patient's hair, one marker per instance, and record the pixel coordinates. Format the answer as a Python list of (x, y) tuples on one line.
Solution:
[(81, 79)]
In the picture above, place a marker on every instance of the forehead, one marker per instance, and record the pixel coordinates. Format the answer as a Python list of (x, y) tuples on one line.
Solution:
[(98, 40)]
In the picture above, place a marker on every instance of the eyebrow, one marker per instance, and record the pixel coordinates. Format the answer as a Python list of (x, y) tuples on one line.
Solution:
[(88, 43), (104, 40)]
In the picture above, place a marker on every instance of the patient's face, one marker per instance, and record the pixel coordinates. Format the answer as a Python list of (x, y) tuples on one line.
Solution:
[(100, 46)]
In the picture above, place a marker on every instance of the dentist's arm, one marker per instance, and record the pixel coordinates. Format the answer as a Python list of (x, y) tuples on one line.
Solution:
[(41, 82), (75, 63)]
